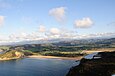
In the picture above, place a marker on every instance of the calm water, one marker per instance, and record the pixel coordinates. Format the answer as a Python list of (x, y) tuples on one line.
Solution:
[(36, 67)]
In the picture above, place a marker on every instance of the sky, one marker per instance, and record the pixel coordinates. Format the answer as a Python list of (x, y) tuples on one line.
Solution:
[(46, 19)]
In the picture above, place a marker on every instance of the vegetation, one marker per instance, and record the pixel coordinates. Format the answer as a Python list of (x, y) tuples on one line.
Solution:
[(62, 54), (14, 54), (11, 55), (64, 48)]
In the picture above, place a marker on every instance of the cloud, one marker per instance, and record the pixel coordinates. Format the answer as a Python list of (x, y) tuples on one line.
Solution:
[(64, 34), (3, 37), (42, 28), (83, 23), (18, 36), (54, 31), (60, 33), (1, 20), (58, 13)]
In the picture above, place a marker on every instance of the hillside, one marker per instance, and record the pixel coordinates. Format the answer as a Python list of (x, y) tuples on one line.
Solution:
[(104, 66), (72, 48), (14, 54), (72, 45)]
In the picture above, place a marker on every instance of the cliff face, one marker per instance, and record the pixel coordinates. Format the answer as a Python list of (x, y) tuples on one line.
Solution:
[(14, 54), (104, 66), (11, 55), (19, 54)]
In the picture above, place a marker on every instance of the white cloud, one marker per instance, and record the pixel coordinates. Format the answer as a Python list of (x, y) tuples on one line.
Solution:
[(68, 33), (54, 31), (58, 13), (1, 20), (22, 36), (60, 33), (3, 37), (83, 23), (18, 36), (42, 28)]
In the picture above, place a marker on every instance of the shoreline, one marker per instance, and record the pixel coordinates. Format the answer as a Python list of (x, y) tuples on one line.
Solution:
[(45, 57), (67, 58), (55, 57)]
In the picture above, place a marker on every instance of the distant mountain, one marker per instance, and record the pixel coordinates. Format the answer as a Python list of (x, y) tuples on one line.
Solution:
[(65, 41), (64, 45)]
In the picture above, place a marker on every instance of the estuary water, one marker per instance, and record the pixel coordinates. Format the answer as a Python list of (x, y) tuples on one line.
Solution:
[(36, 67)]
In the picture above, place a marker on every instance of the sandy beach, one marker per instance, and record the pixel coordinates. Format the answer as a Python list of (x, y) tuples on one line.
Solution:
[(55, 57), (67, 58)]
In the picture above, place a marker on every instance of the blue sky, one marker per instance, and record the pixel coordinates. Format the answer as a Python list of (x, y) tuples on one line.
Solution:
[(56, 16)]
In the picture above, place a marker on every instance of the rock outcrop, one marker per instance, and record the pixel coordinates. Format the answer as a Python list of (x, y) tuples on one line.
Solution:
[(104, 66)]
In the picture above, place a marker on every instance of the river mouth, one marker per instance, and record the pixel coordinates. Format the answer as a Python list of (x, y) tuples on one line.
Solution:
[(36, 67)]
